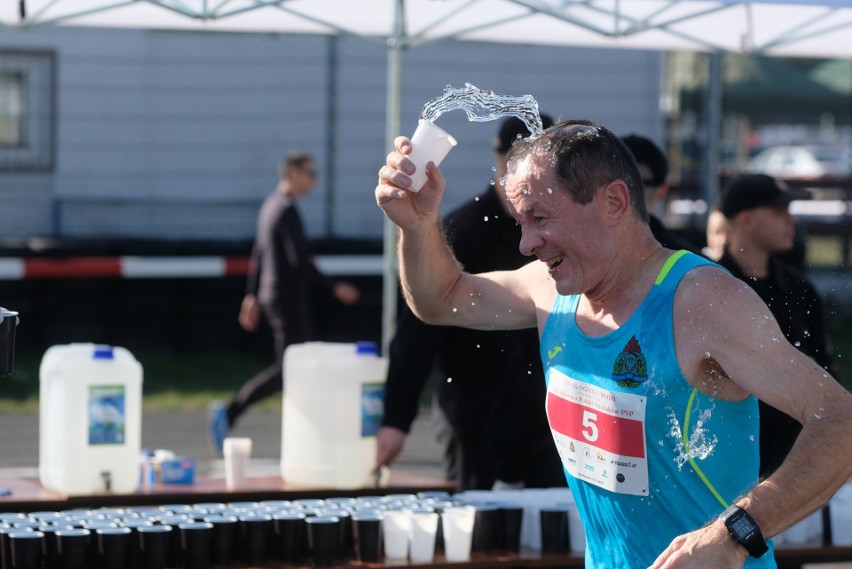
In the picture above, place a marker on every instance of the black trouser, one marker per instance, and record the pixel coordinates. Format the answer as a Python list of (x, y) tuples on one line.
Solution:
[(290, 325)]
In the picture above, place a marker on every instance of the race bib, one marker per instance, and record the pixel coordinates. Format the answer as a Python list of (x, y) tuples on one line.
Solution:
[(600, 434)]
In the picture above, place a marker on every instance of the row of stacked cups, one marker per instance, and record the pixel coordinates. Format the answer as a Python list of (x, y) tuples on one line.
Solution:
[(322, 532)]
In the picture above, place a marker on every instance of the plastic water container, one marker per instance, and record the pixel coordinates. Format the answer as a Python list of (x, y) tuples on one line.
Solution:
[(90, 411), (333, 403)]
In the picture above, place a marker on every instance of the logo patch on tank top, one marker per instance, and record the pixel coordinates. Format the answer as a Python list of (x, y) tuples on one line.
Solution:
[(630, 368)]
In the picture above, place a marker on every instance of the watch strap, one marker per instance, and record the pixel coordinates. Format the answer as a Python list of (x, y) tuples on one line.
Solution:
[(744, 530)]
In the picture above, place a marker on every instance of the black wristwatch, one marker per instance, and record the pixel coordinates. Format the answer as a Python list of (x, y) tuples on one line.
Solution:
[(744, 530)]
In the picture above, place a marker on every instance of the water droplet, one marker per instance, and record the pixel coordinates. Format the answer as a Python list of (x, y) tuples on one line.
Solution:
[(485, 218), (449, 380)]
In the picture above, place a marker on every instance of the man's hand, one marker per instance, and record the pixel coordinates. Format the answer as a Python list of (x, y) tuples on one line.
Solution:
[(707, 548), (249, 313), (389, 443), (346, 293), (406, 208)]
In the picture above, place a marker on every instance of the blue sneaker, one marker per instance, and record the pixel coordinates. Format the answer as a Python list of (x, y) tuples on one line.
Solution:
[(217, 427)]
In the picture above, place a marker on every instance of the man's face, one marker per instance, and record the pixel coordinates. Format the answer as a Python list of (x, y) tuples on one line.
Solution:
[(717, 233), (303, 178), (556, 229), (772, 229)]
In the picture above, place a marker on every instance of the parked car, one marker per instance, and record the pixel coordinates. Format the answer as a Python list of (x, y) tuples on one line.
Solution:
[(802, 162), (788, 162)]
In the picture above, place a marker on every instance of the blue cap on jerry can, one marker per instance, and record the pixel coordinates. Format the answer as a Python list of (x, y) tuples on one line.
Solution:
[(365, 348), (103, 353)]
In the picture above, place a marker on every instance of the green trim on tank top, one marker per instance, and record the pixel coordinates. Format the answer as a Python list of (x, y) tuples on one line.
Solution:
[(664, 271)]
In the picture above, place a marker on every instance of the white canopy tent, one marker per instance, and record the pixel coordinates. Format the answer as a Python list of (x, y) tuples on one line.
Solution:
[(812, 28), (817, 28)]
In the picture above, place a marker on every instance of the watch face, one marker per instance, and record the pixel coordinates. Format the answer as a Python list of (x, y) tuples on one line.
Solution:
[(741, 527)]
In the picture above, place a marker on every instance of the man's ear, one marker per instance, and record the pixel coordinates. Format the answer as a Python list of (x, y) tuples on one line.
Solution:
[(617, 199)]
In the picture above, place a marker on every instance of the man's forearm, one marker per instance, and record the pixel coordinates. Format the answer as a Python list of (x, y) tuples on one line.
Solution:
[(804, 483), (428, 272)]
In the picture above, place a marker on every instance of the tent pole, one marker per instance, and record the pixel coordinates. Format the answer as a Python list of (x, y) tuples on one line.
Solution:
[(392, 124), (713, 130)]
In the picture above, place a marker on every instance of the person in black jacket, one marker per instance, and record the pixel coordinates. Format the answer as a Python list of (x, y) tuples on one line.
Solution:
[(490, 392), (759, 227), (654, 169), (281, 274)]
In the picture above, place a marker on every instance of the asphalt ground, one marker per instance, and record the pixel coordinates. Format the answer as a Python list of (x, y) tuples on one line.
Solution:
[(186, 435)]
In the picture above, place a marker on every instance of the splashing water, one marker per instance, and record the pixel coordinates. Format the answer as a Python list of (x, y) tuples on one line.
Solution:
[(482, 105), (700, 442)]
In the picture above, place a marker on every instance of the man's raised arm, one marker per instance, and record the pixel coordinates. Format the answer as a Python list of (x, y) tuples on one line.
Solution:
[(433, 282)]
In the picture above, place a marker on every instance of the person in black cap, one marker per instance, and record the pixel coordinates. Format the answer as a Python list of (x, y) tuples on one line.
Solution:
[(654, 169), (489, 418), (759, 228)]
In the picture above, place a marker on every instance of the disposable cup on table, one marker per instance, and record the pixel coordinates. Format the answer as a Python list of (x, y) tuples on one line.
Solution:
[(511, 521), (195, 544), (49, 551), (429, 143), (367, 536), (237, 452), (26, 548), (255, 533), (72, 548), (576, 531), (323, 540), (487, 528), (113, 546), (153, 546), (457, 523), (224, 539), (7, 341), (289, 535), (396, 526), (424, 530), (554, 529)]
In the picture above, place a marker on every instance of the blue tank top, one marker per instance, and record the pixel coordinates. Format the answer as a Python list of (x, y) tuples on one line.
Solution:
[(647, 456)]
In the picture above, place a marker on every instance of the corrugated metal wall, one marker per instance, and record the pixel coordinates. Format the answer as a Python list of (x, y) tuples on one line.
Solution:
[(177, 135)]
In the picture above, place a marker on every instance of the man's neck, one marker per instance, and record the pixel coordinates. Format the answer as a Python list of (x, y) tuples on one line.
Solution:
[(752, 261)]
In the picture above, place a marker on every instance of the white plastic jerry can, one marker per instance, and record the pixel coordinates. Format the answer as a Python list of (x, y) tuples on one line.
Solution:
[(90, 414), (333, 404)]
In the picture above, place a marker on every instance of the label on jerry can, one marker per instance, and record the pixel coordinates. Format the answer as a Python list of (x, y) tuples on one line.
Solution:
[(107, 416), (372, 408)]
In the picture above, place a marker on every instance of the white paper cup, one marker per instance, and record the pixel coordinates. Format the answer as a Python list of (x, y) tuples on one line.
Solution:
[(424, 530), (457, 525), (576, 533), (237, 452), (429, 144), (396, 527)]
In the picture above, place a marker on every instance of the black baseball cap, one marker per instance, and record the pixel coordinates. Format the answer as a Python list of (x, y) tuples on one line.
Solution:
[(750, 191), (646, 152), (514, 128)]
